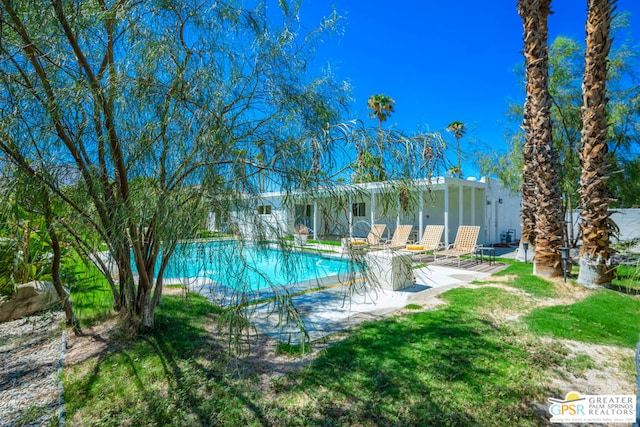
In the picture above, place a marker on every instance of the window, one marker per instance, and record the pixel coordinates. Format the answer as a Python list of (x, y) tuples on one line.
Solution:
[(358, 209), (264, 210)]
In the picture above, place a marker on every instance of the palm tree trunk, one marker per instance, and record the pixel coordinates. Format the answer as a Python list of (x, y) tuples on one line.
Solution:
[(549, 223), (596, 225), (459, 165), (527, 188), (381, 175), (528, 205)]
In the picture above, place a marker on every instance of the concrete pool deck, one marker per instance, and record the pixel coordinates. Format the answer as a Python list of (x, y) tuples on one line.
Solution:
[(341, 307)]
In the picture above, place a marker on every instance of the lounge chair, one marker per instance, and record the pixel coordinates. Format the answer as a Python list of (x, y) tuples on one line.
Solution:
[(400, 237), (465, 243), (430, 240), (373, 238)]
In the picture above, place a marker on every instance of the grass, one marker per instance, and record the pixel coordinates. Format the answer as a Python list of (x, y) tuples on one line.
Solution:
[(627, 279), (453, 365), (487, 299), (522, 278), (320, 241), (292, 349), (603, 318), (91, 295), (158, 379), (580, 363), (435, 366), (326, 242)]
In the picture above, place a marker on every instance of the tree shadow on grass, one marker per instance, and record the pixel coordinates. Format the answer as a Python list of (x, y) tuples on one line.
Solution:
[(444, 367), (175, 376)]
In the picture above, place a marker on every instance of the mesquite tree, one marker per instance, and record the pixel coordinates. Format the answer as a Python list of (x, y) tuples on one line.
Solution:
[(148, 114)]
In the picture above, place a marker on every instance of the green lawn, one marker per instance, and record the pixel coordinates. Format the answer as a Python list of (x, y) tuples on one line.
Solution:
[(524, 279), (451, 366), (605, 317), (91, 295), (627, 279)]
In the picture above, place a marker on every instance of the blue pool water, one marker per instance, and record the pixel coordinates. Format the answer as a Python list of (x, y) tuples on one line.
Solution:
[(250, 268)]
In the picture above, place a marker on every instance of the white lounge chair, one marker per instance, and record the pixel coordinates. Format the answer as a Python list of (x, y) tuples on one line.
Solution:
[(373, 238), (465, 243), (400, 237), (431, 240)]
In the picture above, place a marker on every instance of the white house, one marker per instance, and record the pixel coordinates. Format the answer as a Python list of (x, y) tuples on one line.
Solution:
[(349, 210)]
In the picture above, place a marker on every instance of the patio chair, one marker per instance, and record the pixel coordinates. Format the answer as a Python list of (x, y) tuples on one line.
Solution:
[(373, 238), (430, 240), (400, 237), (465, 243)]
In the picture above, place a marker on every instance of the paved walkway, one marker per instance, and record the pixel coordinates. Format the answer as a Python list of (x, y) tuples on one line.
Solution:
[(341, 307)]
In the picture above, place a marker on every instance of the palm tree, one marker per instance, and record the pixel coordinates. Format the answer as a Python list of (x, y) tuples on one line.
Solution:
[(458, 130), (381, 108), (543, 162), (527, 188), (596, 225)]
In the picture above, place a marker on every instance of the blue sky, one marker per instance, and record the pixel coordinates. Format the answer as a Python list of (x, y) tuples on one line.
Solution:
[(442, 61)]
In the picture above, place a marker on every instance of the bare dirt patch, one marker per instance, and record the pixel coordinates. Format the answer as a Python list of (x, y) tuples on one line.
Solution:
[(502, 279), (173, 290), (93, 342), (498, 286), (568, 292), (609, 374)]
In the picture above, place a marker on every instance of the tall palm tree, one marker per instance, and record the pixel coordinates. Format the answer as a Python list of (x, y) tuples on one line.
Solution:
[(458, 130), (527, 189), (543, 162), (596, 225), (381, 107)]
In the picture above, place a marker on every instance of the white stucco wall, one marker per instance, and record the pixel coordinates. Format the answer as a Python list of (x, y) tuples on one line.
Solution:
[(628, 220), (252, 224), (503, 213)]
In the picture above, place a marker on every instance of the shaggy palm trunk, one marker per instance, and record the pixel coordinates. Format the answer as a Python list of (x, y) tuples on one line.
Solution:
[(381, 174), (459, 158), (543, 164), (528, 205), (596, 224), (527, 188)]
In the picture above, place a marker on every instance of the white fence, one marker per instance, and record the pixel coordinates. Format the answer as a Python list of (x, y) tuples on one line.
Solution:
[(628, 221)]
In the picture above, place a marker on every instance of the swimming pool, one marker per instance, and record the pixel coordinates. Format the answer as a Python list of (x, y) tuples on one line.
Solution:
[(251, 268)]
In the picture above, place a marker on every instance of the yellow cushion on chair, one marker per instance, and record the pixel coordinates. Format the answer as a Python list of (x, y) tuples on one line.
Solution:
[(358, 242), (415, 247)]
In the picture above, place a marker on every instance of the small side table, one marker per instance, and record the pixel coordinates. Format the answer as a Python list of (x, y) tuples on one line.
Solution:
[(490, 251)]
